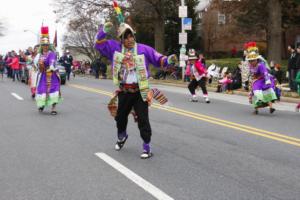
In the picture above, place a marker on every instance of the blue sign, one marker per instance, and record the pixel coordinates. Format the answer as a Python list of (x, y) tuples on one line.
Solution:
[(187, 23)]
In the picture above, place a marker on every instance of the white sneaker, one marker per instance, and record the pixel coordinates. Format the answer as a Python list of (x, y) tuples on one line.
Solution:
[(120, 143), (194, 98), (207, 100), (146, 151)]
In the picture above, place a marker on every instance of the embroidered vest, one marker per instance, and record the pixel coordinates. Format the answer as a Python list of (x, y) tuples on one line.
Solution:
[(140, 69), (195, 72)]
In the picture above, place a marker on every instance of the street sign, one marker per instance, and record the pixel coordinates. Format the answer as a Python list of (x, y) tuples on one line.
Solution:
[(183, 57), (187, 23), (182, 11), (182, 38)]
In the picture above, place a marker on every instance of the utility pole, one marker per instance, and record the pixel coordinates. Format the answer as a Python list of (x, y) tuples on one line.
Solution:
[(182, 38)]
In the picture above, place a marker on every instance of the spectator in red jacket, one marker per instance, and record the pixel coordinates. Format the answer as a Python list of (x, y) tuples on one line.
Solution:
[(15, 66)]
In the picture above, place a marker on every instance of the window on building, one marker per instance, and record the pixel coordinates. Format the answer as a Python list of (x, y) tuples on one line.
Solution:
[(200, 15), (221, 18)]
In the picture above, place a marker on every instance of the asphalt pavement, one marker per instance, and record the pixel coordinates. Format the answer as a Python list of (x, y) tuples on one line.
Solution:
[(201, 151)]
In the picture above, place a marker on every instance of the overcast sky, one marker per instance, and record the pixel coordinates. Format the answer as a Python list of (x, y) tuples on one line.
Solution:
[(20, 15), (203, 4)]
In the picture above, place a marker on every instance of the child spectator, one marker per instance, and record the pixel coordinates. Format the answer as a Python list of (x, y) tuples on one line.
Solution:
[(225, 84)]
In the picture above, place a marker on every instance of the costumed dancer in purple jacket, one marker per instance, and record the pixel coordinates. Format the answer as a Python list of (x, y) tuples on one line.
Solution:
[(130, 67), (262, 84), (48, 81)]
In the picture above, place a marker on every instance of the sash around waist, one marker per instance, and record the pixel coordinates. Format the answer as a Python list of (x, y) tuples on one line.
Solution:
[(129, 86)]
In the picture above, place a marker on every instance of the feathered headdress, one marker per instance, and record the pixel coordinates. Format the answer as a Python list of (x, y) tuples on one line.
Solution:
[(252, 51), (123, 26), (119, 12)]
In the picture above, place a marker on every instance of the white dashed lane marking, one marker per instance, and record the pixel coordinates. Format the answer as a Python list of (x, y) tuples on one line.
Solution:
[(17, 96), (154, 191)]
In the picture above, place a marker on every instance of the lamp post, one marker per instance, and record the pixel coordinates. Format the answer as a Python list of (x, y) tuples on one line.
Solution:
[(36, 34)]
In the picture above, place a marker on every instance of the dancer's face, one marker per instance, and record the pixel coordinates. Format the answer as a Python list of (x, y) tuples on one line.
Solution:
[(129, 41), (45, 47), (253, 63), (192, 61)]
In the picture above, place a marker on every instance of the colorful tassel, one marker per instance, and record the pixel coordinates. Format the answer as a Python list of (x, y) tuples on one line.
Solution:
[(159, 96), (119, 12)]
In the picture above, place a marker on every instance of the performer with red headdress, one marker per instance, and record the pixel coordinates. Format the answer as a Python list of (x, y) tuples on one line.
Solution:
[(48, 82), (262, 84)]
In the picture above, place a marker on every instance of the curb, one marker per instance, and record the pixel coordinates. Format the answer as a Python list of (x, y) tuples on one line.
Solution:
[(212, 89)]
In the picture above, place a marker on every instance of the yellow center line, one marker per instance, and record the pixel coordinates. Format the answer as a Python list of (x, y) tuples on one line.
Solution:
[(91, 89), (244, 128), (234, 124)]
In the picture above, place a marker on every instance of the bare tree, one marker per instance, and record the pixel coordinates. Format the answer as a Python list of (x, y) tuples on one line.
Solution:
[(82, 18), (80, 36), (210, 31), (152, 12)]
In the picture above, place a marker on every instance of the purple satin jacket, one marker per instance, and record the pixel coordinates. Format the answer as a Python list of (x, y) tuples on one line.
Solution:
[(108, 47)]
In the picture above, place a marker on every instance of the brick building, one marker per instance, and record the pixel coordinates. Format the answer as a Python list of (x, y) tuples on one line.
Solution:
[(221, 34)]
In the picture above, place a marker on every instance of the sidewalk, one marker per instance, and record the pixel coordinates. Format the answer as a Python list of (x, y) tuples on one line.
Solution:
[(290, 97)]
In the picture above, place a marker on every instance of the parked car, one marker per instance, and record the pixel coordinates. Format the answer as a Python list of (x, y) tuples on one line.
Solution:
[(62, 73)]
